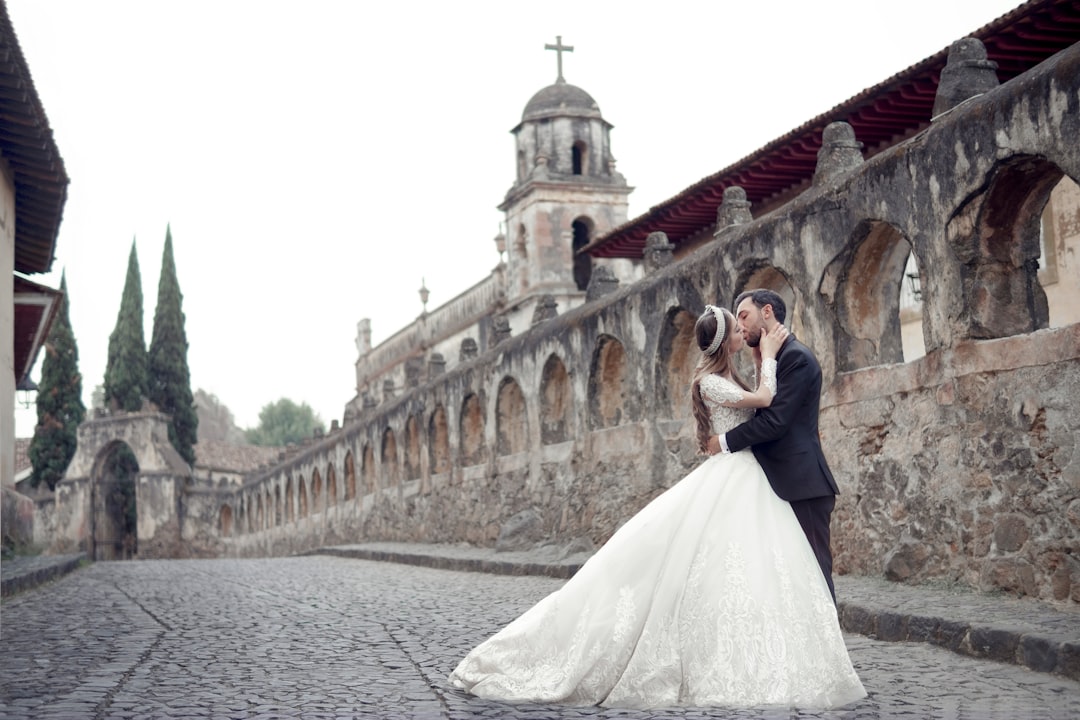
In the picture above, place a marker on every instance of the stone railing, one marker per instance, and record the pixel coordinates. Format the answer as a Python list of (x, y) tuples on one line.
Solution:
[(444, 321)]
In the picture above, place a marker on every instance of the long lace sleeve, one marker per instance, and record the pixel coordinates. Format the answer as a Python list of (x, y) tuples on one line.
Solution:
[(768, 374), (719, 390)]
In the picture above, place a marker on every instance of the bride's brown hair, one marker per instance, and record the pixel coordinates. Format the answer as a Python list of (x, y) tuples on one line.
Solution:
[(719, 363)]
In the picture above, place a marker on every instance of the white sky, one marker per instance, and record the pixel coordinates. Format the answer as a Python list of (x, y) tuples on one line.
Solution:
[(317, 159)]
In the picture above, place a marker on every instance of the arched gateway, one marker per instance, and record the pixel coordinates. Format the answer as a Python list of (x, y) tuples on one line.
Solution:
[(113, 504)]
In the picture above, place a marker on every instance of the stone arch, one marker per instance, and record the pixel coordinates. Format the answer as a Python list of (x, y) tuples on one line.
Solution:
[(389, 458), (367, 470), (511, 421), (412, 448), (761, 274), (350, 476), (609, 400), (290, 508), (331, 485), (157, 477), (579, 158), (582, 229), (439, 441), (863, 287), (225, 521), (472, 430), (114, 502), (279, 507), (316, 491), (677, 355), (556, 402), (302, 498), (995, 236)]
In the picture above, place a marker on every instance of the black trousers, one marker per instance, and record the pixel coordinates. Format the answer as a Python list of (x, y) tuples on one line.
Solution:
[(814, 515)]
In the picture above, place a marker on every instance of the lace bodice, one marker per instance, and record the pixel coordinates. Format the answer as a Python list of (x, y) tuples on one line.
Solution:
[(716, 390)]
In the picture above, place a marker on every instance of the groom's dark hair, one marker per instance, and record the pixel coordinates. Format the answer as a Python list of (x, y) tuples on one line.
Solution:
[(762, 297)]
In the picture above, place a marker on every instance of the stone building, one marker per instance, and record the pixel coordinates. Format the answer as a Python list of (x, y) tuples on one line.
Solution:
[(960, 464), (33, 189), (565, 193)]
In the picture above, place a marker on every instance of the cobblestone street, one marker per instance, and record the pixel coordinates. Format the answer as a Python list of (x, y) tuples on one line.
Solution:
[(329, 637)]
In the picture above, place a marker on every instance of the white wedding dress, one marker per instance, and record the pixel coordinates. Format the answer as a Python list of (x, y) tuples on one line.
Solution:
[(710, 595)]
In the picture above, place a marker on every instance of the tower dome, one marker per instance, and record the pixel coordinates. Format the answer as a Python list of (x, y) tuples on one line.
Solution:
[(562, 98)]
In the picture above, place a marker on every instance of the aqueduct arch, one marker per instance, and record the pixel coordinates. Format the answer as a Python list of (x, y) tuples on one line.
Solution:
[(159, 482)]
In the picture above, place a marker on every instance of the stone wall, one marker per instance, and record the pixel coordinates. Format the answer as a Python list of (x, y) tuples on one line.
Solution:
[(961, 465)]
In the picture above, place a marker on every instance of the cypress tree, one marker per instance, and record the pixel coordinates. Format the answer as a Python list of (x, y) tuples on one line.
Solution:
[(170, 381), (125, 375), (60, 407)]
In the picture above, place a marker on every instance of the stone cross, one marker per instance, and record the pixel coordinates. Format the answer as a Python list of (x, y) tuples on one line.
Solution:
[(559, 49)]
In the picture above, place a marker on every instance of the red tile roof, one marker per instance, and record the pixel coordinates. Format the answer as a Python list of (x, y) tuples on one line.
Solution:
[(889, 112)]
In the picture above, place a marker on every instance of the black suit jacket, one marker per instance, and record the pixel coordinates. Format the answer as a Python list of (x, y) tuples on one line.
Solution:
[(784, 436)]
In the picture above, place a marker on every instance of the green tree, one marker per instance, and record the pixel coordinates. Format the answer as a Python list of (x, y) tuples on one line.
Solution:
[(60, 407), (125, 374), (283, 423), (168, 375)]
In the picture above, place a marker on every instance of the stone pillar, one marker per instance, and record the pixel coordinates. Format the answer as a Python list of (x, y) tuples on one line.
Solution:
[(546, 308), (733, 210), (839, 153), (603, 282), (469, 349), (436, 365), (500, 330), (658, 251), (967, 73)]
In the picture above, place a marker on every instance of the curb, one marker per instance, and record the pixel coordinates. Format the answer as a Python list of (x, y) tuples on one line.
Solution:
[(562, 571), (46, 571), (1035, 652)]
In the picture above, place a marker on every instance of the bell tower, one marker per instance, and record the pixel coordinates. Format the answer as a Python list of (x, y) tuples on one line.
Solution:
[(566, 192)]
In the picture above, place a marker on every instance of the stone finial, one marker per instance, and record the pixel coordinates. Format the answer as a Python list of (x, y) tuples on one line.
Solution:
[(414, 371), (734, 209), (545, 309), (839, 153), (500, 330), (469, 349), (334, 426), (603, 282), (388, 390), (967, 73), (658, 251), (436, 365), (363, 336)]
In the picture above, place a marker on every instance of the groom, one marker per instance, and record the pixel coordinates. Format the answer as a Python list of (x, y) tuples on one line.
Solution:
[(784, 436)]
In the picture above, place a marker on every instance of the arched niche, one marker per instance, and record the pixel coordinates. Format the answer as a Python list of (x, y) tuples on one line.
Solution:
[(996, 237), (389, 458), (439, 441), (677, 355), (511, 424), (609, 400), (412, 448), (472, 430), (863, 286), (556, 402)]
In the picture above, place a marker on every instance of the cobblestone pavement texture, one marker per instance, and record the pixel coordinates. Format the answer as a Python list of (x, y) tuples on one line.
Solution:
[(334, 637)]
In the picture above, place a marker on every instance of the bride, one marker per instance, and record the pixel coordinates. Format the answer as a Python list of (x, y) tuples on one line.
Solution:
[(711, 595)]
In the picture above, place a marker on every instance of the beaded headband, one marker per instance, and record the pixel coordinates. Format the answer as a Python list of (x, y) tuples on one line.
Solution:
[(721, 329)]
